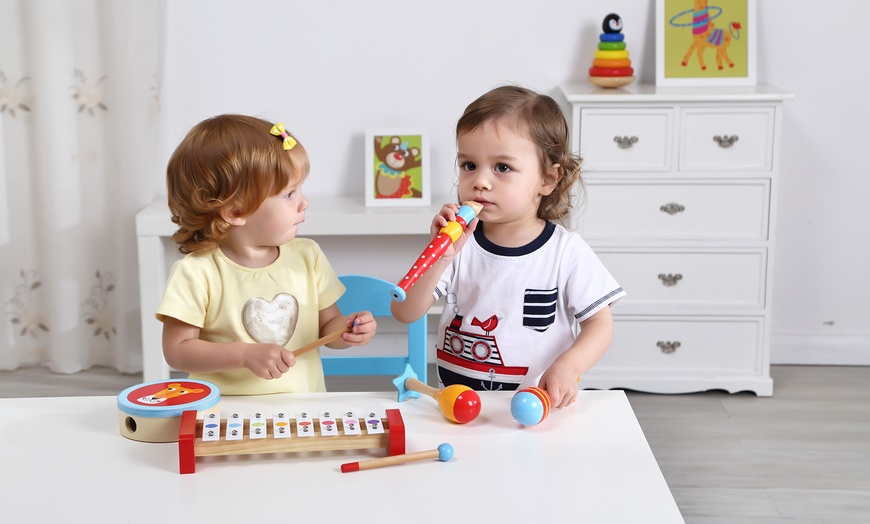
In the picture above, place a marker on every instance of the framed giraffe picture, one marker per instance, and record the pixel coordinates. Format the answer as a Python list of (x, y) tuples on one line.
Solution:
[(705, 42), (397, 167)]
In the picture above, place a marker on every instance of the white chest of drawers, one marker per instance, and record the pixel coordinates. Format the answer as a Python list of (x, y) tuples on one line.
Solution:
[(680, 205)]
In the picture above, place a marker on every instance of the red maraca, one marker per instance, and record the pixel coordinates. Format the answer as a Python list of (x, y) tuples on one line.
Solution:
[(458, 403)]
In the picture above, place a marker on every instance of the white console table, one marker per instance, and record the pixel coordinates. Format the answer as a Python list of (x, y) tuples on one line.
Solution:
[(326, 216), (681, 207)]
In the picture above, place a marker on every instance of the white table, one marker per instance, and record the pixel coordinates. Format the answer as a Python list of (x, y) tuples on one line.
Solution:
[(64, 459)]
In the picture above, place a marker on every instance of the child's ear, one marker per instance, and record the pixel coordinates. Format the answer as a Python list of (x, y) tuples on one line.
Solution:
[(551, 179), (232, 215)]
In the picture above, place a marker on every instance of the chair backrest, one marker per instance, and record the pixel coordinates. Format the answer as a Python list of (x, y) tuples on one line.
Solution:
[(373, 294)]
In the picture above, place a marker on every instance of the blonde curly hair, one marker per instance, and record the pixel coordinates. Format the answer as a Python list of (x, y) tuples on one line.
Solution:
[(541, 119), (224, 162)]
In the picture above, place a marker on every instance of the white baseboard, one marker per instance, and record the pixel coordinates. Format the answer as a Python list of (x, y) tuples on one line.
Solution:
[(830, 350)]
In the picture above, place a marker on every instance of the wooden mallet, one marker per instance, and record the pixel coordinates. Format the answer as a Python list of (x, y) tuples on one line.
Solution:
[(322, 341), (443, 453)]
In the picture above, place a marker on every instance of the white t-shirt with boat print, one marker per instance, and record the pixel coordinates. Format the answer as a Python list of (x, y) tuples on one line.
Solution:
[(510, 312)]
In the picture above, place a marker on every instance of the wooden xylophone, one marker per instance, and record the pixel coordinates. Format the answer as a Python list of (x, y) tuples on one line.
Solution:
[(236, 435)]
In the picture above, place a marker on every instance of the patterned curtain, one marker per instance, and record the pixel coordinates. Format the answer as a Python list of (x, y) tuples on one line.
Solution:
[(79, 102)]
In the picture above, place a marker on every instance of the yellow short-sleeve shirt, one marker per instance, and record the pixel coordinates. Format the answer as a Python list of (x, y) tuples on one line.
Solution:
[(279, 303)]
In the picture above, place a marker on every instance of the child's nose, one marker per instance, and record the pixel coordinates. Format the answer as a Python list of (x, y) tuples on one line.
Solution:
[(481, 180)]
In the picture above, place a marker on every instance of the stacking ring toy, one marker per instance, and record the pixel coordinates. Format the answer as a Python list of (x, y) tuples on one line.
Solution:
[(611, 66)]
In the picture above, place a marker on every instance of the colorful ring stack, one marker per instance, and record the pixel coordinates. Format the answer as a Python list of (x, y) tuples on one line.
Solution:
[(611, 66)]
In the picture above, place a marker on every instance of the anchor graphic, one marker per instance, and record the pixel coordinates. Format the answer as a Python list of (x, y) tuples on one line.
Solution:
[(491, 381)]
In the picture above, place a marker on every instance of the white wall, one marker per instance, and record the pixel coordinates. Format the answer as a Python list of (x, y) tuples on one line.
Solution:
[(822, 291), (332, 69)]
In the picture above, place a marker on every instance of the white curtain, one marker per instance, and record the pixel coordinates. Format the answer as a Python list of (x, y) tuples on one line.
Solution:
[(79, 90)]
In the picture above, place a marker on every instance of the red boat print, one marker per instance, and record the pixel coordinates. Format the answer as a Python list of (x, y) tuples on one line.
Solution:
[(474, 360)]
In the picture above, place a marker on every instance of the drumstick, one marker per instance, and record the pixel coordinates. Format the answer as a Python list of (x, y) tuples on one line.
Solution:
[(443, 453), (332, 337)]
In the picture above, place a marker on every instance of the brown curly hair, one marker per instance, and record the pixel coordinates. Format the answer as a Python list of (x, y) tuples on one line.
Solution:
[(541, 118), (224, 162)]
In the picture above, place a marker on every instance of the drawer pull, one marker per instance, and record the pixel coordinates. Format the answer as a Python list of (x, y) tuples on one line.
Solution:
[(668, 347), (625, 142), (726, 140), (670, 279), (672, 208)]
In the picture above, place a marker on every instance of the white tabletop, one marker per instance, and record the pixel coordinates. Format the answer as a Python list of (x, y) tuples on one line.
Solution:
[(62, 459)]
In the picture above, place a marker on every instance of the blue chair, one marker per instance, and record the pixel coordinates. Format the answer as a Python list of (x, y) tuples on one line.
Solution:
[(373, 294)]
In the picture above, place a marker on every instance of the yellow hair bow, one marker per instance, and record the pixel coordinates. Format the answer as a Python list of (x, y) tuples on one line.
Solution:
[(279, 131)]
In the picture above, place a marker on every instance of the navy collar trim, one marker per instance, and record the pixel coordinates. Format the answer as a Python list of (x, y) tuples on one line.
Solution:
[(531, 247)]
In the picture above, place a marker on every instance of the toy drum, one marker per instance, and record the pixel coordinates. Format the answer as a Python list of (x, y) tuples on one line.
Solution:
[(151, 412)]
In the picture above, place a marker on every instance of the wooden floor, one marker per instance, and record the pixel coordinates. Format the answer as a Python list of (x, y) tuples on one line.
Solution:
[(799, 457)]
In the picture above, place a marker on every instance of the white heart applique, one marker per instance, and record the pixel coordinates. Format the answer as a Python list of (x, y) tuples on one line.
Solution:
[(271, 322)]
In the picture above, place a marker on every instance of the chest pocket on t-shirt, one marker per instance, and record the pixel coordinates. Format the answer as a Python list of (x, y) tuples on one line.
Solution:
[(539, 308)]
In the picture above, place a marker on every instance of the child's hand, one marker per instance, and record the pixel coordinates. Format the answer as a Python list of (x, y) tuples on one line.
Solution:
[(364, 326), (268, 360), (448, 214), (560, 382)]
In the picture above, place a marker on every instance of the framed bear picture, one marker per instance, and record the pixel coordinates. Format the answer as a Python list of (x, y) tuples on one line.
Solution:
[(397, 167)]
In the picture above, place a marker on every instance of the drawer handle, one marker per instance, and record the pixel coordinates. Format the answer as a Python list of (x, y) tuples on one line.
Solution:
[(726, 140), (625, 142), (672, 208), (668, 347), (670, 279)]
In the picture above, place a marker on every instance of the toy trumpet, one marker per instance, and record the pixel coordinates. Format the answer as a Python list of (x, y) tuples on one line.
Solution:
[(458, 403), (445, 237)]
